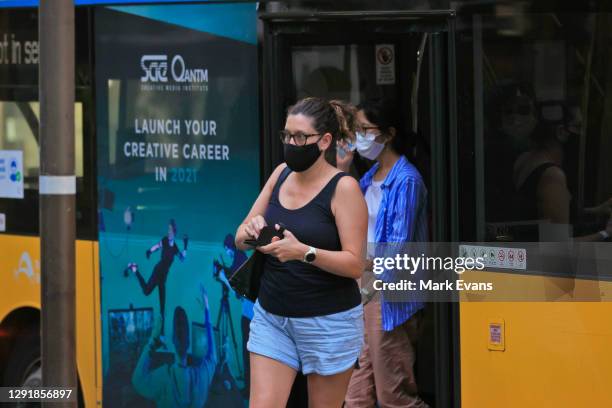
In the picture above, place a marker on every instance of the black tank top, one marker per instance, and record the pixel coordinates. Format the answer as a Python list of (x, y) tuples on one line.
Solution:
[(527, 205), (296, 288), (168, 252)]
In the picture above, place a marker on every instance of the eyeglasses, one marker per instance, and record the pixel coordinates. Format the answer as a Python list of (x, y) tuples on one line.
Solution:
[(368, 129), (299, 138), (366, 132)]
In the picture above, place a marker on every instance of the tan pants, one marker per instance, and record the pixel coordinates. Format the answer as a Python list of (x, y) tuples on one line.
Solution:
[(386, 365)]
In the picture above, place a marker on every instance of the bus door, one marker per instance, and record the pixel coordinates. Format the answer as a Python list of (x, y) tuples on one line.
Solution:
[(402, 56)]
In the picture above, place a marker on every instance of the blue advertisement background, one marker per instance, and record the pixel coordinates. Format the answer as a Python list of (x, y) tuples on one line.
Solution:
[(135, 206)]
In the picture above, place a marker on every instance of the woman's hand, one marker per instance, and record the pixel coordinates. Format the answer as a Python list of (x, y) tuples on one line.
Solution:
[(605, 208), (254, 226), (344, 157), (254, 221), (286, 249)]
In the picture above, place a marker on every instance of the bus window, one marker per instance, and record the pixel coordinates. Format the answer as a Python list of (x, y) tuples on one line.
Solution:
[(19, 127), (541, 120), (349, 72)]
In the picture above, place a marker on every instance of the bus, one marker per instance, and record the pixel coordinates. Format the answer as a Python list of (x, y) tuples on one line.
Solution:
[(177, 110)]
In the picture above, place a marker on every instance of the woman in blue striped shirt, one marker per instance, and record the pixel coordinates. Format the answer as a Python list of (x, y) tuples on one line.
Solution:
[(397, 213)]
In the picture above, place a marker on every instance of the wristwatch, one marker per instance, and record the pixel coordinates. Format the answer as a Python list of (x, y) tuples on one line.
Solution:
[(310, 255), (604, 235)]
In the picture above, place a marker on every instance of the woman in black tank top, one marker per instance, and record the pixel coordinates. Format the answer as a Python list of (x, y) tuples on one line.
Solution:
[(542, 192), (311, 273)]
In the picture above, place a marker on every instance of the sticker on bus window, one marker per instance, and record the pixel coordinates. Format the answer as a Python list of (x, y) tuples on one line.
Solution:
[(385, 64), (497, 257), (11, 174), (2, 222)]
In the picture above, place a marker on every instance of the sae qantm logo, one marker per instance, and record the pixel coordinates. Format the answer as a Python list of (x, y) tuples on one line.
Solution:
[(159, 69), (155, 68)]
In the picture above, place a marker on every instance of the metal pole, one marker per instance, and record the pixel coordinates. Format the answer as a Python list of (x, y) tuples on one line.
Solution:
[(57, 186), (479, 150)]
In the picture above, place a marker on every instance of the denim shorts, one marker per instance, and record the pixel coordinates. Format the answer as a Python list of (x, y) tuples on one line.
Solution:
[(323, 345)]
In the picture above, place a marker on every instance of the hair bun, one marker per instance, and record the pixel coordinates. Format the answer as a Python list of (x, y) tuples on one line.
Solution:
[(333, 116), (346, 114)]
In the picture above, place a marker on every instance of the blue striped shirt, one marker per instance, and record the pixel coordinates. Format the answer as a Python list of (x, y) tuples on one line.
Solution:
[(402, 217)]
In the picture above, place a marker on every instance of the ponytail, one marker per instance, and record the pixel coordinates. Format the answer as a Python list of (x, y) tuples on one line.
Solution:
[(336, 117), (346, 115)]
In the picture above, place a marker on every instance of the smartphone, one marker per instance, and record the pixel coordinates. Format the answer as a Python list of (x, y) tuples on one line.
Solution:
[(265, 236)]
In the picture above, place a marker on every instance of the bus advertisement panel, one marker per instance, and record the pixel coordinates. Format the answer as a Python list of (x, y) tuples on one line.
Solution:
[(178, 167)]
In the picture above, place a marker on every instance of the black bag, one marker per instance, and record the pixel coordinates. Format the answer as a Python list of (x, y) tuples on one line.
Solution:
[(247, 278)]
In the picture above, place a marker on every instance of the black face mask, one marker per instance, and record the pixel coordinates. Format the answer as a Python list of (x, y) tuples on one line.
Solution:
[(300, 158)]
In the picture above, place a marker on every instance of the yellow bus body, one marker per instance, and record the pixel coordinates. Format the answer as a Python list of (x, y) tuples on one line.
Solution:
[(555, 354), (20, 277)]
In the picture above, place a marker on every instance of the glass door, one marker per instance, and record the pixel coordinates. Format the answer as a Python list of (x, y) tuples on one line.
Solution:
[(401, 56)]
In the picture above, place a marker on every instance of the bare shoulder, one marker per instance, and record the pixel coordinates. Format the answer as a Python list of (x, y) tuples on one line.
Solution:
[(348, 184), (349, 198), (275, 174), (278, 170), (348, 193), (553, 174)]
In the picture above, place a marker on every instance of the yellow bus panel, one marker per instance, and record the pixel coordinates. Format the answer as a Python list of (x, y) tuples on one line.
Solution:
[(20, 277)]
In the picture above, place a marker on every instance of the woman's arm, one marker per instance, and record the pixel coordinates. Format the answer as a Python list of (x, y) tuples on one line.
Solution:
[(350, 210), (597, 237), (407, 231), (603, 209), (554, 202), (182, 254), (153, 249), (254, 221), (351, 213), (553, 196), (410, 212)]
